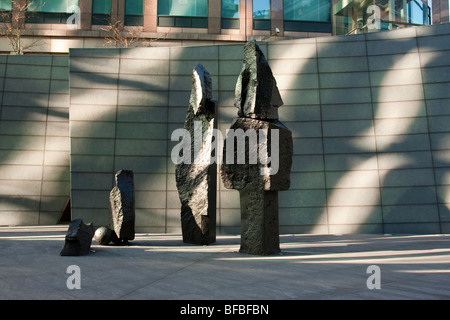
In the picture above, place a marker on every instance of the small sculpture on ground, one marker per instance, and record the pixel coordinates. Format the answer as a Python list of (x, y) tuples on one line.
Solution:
[(105, 236), (78, 239)]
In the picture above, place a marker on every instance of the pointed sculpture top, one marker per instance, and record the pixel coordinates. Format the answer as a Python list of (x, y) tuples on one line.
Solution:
[(201, 88), (256, 94)]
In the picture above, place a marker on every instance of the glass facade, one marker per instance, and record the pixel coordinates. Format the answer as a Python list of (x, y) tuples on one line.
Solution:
[(230, 14), (261, 14), (52, 5), (359, 16), (5, 10), (327, 16), (417, 12), (50, 11), (101, 12), (134, 12), (307, 15), (183, 13), (5, 5), (307, 10)]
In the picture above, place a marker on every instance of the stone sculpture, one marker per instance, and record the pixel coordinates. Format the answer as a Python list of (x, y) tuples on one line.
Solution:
[(78, 238), (121, 200), (258, 182), (104, 236), (196, 174)]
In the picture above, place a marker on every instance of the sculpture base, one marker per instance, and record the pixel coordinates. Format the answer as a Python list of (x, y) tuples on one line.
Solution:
[(259, 222), (201, 232)]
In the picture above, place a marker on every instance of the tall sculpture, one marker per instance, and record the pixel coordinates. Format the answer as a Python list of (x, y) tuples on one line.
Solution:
[(196, 172), (257, 154)]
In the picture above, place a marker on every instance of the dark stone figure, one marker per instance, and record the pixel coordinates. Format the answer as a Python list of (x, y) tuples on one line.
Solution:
[(264, 138), (256, 94), (78, 238), (121, 200), (196, 173)]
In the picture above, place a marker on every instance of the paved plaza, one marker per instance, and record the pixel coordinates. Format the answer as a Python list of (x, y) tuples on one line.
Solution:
[(161, 266)]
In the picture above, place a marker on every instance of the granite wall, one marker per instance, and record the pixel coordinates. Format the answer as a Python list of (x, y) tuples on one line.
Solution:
[(34, 139), (369, 113)]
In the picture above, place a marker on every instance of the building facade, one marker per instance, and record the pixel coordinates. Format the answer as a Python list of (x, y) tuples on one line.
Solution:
[(63, 24)]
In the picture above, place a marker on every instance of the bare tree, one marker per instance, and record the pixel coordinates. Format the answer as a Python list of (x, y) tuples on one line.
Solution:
[(118, 37), (12, 25)]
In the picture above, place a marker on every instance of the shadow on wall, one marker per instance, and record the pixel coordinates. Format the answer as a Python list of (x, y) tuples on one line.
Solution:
[(378, 132), (34, 145), (369, 116), (122, 122)]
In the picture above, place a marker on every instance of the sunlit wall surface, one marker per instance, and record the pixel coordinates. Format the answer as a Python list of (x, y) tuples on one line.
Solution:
[(369, 115), (34, 139), (356, 16)]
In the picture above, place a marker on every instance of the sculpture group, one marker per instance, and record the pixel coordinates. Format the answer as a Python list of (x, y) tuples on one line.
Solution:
[(257, 99), (122, 219), (257, 158)]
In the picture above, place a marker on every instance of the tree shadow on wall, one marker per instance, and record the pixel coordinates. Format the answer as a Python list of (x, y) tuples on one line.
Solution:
[(139, 139), (30, 125), (396, 140)]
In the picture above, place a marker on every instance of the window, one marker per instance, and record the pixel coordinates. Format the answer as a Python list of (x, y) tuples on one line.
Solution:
[(101, 12), (307, 10), (183, 13), (5, 5), (134, 12), (351, 17), (307, 15), (418, 12), (230, 14), (5, 10), (50, 11), (261, 14)]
